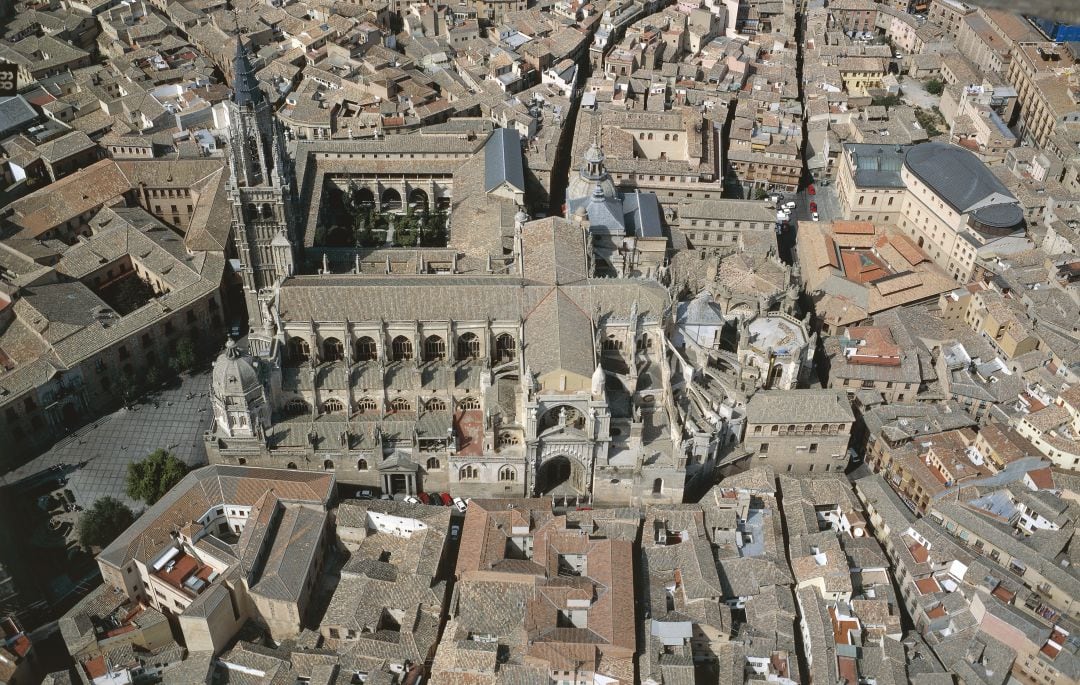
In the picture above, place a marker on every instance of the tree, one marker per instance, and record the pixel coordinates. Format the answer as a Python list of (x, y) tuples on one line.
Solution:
[(100, 524), (886, 101), (149, 479), (935, 86), (183, 357)]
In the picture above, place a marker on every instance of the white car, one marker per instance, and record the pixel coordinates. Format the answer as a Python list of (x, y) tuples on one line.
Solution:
[(814, 216), (460, 504), (789, 205), (411, 500)]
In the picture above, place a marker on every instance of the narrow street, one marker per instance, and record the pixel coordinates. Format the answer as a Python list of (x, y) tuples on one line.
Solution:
[(560, 172)]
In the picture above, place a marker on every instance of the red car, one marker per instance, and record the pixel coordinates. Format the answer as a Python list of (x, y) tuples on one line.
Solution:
[(810, 189), (424, 499), (813, 206), (447, 500)]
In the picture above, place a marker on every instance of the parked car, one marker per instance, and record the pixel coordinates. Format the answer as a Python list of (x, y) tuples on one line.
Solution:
[(810, 189), (386, 496), (460, 504), (423, 497), (411, 500), (434, 499), (814, 216), (813, 206), (365, 494), (455, 532), (447, 500), (789, 205)]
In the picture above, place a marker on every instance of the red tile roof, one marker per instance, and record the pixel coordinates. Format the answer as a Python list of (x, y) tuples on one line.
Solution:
[(927, 586)]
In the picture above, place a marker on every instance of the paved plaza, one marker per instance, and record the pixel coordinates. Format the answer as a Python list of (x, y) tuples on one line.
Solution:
[(175, 419)]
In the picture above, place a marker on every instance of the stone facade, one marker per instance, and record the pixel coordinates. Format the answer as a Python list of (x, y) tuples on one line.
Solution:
[(392, 396), (799, 431)]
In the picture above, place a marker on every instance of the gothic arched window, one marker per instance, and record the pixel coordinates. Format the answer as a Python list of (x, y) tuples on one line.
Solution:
[(468, 346), (333, 350), (434, 348), (401, 348), (505, 348), (366, 350), (297, 408), (298, 351)]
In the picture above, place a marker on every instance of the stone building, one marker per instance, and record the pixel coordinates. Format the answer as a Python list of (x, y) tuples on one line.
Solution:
[(260, 184), (799, 431), (545, 380), (224, 546), (75, 336), (625, 229)]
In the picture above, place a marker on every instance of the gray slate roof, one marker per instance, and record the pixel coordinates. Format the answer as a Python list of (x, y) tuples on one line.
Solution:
[(502, 160), (963, 181), (15, 114), (799, 406)]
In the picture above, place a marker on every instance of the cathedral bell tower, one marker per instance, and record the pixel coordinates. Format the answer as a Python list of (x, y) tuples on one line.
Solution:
[(260, 185)]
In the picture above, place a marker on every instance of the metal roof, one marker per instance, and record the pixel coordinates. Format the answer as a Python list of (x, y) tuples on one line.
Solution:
[(877, 166), (963, 181), (15, 113), (502, 160), (643, 212)]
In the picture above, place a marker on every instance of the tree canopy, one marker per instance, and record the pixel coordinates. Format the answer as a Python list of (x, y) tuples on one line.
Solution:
[(101, 523), (149, 479)]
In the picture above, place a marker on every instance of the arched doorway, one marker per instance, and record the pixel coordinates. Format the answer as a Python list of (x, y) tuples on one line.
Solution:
[(291, 465), (391, 200), (560, 474), (418, 199), (658, 487)]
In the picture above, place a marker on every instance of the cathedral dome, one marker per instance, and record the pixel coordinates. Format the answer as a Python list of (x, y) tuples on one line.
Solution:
[(591, 175), (233, 372)]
